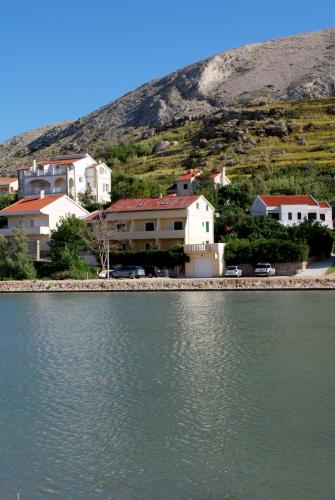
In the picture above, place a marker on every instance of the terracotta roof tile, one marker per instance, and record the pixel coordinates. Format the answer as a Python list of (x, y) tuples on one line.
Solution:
[(29, 204), (143, 204), (324, 204), (277, 200), (7, 180), (190, 174)]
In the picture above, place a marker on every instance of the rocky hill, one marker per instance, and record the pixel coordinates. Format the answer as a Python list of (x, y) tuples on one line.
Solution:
[(288, 69)]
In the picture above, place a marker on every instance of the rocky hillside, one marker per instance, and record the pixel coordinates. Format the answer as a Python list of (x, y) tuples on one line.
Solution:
[(288, 69)]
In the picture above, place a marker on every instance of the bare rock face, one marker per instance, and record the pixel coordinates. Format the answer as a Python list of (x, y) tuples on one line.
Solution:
[(291, 68)]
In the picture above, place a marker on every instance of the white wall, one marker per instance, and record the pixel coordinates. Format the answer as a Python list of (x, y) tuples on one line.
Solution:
[(199, 213)]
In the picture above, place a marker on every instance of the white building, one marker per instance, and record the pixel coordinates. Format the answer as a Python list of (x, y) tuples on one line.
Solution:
[(144, 223), (188, 182), (71, 175), (219, 178), (37, 217), (8, 185), (291, 210)]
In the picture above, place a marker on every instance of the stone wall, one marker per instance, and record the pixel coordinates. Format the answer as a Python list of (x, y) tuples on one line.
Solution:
[(169, 284), (282, 268)]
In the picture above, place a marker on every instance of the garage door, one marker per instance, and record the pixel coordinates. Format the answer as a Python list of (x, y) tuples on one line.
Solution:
[(203, 268)]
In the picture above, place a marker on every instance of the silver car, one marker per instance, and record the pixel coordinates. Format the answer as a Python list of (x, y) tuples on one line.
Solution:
[(233, 272), (128, 272), (264, 269)]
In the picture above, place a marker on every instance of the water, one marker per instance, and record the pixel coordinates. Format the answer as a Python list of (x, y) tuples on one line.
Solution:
[(167, 395)]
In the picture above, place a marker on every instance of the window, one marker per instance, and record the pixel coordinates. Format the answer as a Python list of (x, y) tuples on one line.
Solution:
[(207, 227), (121, 226), (203, 224), (299, 215), (177, 225), (312, 216), (81, 179), (323, 217), (206, 208), (197, 204), (31, 222), (185, 186), (274, 215), (147, 246), (102, 171), (289, 215), (149, 226), (105, 188)]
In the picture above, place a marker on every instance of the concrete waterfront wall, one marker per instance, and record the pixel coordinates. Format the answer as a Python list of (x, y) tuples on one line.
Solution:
[(169, 284)]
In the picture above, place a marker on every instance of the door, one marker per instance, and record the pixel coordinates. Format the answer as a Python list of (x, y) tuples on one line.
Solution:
[(202, 267)]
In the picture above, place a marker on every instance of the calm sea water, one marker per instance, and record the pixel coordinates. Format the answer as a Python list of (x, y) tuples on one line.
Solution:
[(167, 395)]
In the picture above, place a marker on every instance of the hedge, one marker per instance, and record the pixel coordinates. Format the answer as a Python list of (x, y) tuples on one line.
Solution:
[(250, 252), (160, 258)]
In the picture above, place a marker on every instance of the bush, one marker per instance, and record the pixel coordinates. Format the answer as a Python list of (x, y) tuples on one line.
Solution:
[(272, 250), (161, 258), (319, 238)]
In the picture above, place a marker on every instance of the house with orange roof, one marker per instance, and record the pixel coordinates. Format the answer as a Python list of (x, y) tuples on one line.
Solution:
[(188, 182), (37, 217), (161, 222), (8, 185), (71, 175), (291, 210)]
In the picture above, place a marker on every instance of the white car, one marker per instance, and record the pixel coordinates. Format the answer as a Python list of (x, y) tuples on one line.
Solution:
[(233, 272), (264, 269)]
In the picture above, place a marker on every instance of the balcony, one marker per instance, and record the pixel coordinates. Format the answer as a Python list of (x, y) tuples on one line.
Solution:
[(202, 247), (29, 231), (146, 235), (24, 193), (45, 172)]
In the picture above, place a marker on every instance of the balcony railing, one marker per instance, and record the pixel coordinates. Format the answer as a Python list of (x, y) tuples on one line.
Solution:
[(202, 247), (47, 191), (47, 172)]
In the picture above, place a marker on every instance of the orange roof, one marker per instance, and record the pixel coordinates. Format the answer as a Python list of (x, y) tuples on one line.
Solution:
[(190, 174), (324, 204), (214, 174), (29, 205), (7, 180), (161, 203), (276, 200), (59, 162)]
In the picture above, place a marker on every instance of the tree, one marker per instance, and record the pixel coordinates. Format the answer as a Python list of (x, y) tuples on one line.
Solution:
[(319, 238), (14, 260), (68, 241)]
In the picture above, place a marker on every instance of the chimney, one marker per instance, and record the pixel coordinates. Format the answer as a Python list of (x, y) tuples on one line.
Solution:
[(34, 165), (42, 194), (222, 174), (160, 195)]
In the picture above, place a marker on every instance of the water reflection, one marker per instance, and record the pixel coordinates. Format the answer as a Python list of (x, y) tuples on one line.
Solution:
[(167, 395)]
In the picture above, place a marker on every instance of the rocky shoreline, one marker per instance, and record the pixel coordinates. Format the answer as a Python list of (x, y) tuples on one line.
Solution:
[(169, 284)]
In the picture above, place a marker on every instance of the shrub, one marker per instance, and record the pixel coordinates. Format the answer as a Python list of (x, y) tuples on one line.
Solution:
[(272, 250), (319, 238), (161, 258)]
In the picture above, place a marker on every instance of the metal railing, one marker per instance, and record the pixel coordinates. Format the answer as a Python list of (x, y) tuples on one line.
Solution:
[(48, 172), (47, 191)]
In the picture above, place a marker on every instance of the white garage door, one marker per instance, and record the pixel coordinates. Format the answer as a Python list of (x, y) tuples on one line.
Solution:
[(203, 267)]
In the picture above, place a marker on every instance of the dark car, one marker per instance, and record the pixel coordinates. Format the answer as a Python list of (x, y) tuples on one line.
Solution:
[(153, 272), (128, 272)]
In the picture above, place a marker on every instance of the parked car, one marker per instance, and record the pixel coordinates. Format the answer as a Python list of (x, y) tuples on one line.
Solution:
[(233, 271), (264, 269), (103, 274), (128, 272), (153, 272)]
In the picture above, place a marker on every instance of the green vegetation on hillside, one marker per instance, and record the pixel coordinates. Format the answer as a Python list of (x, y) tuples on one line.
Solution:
[(291, 149)]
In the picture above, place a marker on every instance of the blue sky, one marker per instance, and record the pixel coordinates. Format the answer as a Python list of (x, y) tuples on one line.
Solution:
[(62, 59)]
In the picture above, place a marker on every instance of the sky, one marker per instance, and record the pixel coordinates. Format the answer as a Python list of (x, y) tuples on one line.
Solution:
[(62, 59)]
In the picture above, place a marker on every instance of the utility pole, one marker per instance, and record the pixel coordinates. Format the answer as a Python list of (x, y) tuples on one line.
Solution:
[(108, 258)]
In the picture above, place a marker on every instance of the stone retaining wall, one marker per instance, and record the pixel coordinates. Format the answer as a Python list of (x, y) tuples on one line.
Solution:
[(166, 284), (282, 268)]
